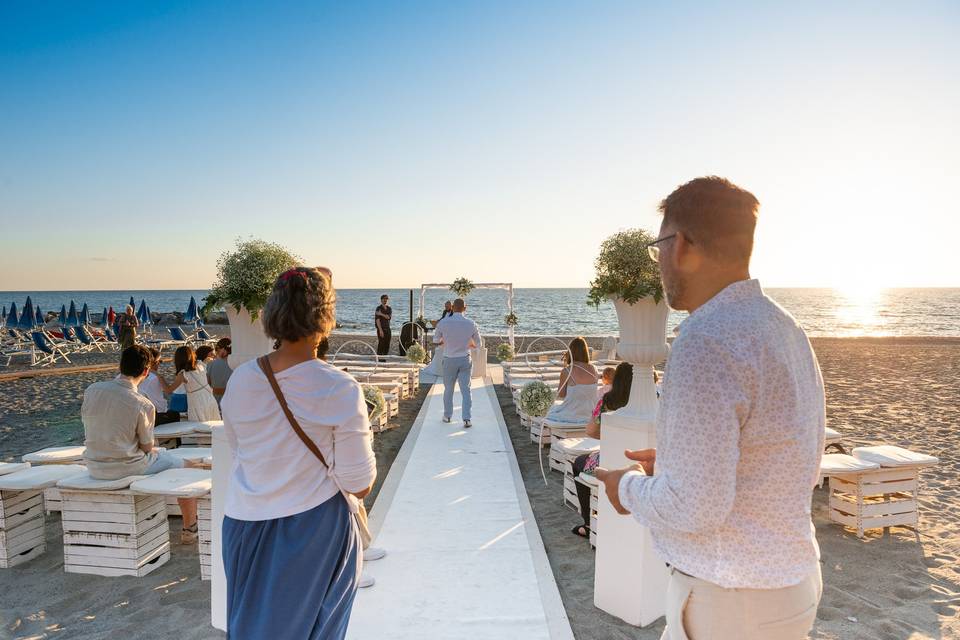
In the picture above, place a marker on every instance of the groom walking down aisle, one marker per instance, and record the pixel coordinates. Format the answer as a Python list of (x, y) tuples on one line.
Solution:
[(740, 431), (458, 334)]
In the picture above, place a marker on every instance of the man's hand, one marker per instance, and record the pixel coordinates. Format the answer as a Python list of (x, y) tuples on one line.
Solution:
[(611, 483), (646, 457)]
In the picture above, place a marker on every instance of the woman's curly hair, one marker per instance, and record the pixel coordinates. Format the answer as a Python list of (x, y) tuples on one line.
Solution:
[(301, 304)]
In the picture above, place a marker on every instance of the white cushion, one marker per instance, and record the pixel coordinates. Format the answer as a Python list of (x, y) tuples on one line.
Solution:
[(588, 479), (182, 483), (190, 453), (561, 426), (206, 427), (41, 477), (887, 455), (10, 467), (577, 445), (56, 455), (87, 483), (832, 434), (174, 429), (841, 463)]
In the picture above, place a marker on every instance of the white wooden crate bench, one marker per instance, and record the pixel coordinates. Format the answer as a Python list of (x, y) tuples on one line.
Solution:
[(197, 455), (55, 455), (877, 487), (186, 483), (22, 523), (547, 429), (393, 404), (564, 450), (594, 485), (168, 435), (110, 530)]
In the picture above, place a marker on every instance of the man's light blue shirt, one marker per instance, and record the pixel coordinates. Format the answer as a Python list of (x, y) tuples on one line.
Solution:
[(456, 332)]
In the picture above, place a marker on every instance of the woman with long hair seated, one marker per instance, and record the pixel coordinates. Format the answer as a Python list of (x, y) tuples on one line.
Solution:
[(617, 397), (301, 441), (578, 386)]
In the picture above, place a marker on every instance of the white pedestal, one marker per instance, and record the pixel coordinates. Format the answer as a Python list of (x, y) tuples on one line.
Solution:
[(222, 466), (248, 341), (631, 578), (479, 358)]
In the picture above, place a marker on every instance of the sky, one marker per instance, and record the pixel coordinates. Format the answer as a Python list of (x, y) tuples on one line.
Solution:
[(409, 142)]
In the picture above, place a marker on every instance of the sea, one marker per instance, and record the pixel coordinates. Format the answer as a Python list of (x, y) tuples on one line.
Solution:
[(822, 312)]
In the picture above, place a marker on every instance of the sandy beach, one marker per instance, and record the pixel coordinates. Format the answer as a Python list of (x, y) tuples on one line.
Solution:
[(899, 585)]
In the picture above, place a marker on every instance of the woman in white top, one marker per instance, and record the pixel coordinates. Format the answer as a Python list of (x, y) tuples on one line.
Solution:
[(291, 550), (201, 405), (578, 386)]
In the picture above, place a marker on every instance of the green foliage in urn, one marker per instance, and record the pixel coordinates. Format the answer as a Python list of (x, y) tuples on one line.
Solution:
[(505, 352), (536, 398), (245, 276), (462, 287), (376, 403), (624, 269), (416, 353)]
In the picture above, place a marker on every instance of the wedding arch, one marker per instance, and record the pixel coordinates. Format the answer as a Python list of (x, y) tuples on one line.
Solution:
[(508, 286)]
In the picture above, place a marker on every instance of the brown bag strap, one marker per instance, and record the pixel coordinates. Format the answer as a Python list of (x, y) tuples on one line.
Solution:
[(264, 363)]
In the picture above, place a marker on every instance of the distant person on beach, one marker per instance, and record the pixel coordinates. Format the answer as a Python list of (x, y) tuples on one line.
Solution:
[(201, 405), (382, 317), (616, 397), (740, 434), (578, 386), (152, 390), (127, 325), (218, 371), (291, 548), (458, 334), (118, 431)]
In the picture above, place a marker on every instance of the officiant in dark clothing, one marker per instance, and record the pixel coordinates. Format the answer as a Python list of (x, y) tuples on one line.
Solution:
[(381, 318)]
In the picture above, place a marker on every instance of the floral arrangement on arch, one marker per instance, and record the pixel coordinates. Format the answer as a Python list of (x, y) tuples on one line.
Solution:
[(505, 352), (376, 403), (416, 353), (462, 287), (511, 319), (245, 276), (624, 269), (536, 398)]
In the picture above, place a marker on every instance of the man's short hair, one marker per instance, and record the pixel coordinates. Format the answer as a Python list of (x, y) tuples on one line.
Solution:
[(384, 297), (714, 214), (135, 360), (225, 343), (459, 304)]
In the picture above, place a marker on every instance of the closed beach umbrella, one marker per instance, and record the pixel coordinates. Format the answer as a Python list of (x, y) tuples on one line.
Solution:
[(12, 318), (85, 314), (39, 317), (148, 316), (104, 318), (133, 303), (26, 317), (63, 315), (191, 315), (142, 310), (72, 319)]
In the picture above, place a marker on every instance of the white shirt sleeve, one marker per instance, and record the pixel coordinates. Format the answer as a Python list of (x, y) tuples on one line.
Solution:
[(694, 481), (355, 465), (476, 336), (438, 333)]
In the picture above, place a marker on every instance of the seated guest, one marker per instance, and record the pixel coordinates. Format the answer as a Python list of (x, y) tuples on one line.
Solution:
[(118, 431), (205, 355), (201, 405), (578, 386), (218, 371), (617, 397), (153, 391), (606, 381)]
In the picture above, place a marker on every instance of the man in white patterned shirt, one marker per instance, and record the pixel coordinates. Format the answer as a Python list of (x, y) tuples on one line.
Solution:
[(740, 431)]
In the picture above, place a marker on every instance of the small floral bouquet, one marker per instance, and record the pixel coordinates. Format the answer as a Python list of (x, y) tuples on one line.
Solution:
[(462, 287), (376, 403), (416, 353), (511, 319), (536, 398), (505, 351), (245, 276)]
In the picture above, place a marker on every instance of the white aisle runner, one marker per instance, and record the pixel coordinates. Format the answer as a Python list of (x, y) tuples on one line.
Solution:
[(464, 556)]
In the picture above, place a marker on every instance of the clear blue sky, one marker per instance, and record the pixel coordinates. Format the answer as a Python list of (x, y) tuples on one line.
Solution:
[(411, 142)]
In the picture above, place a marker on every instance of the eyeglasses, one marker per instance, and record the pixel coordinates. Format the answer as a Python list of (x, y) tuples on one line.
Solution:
[(654, 251)]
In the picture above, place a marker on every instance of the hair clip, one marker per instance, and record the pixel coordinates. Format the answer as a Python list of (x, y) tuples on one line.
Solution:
[(286, 275)]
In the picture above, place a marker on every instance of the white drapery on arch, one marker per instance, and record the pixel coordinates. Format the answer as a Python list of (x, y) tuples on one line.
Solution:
[(508, 286)]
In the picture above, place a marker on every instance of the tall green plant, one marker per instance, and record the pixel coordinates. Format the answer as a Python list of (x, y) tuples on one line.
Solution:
[(245, 276), (624, 269)]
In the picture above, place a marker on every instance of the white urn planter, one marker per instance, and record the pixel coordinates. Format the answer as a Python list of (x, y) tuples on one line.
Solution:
[(630, 577), (248, 341)]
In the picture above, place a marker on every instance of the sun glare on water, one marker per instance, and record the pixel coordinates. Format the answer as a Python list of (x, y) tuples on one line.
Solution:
[(858, 308)]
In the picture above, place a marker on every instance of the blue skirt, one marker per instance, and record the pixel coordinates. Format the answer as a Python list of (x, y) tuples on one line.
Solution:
[(293, 577)]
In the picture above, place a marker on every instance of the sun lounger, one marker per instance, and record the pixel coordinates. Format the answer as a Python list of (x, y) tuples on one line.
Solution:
[(22, 523), (49, 353), (110, 530)]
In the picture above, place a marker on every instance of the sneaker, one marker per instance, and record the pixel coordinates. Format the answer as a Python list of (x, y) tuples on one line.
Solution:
[(189, 536), (365, 581), (373, 553), (467, 424), (446, 420)]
